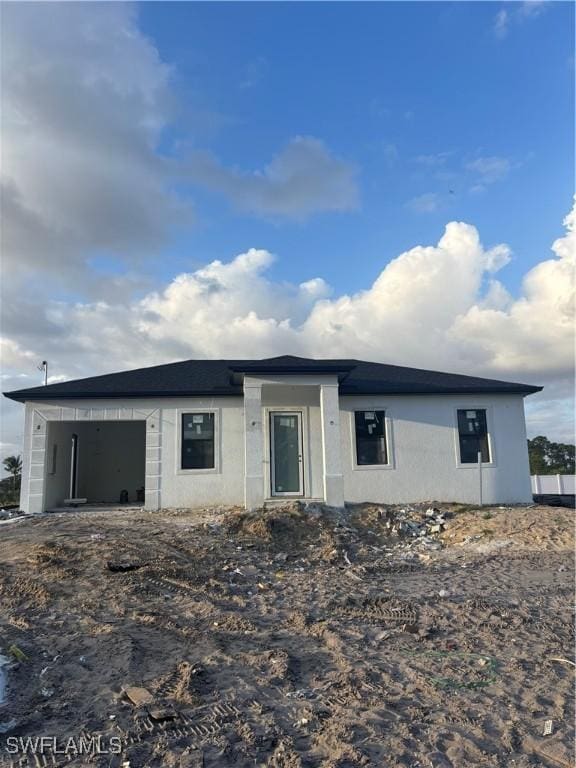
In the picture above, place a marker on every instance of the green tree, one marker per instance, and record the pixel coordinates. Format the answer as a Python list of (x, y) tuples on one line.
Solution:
[(547, 458), (537, 449), (13, 465), (561, 458)]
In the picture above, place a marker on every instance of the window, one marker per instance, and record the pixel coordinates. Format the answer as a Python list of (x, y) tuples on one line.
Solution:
[(370, 438), (198, 441), (473, 435)]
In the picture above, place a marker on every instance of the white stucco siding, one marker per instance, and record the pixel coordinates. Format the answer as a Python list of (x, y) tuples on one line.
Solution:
[(223, 485), (165, 483), (424, 452), (26, 458), (57, 483), (422, 434), (306, 394)]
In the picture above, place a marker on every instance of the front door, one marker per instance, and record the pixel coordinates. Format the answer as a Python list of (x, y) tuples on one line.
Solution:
[(286, 453)]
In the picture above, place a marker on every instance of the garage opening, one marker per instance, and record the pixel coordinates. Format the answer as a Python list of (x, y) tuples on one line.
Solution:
[(103, 462)]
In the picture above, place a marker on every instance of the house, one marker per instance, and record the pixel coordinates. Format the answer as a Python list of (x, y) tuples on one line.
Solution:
[(249, 432)]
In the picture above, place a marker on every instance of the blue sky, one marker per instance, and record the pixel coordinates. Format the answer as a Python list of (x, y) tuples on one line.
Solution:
[(387, 181), (382, 84)]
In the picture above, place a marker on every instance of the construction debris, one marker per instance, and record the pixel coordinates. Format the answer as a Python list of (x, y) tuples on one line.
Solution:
[(17, 653), (412, 520), (334, 638), (563, 661), (138, 696), (162, 714)]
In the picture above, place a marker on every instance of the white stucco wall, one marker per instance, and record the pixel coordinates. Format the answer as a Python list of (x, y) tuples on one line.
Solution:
[(422, 446), (223, 485), (423, 451), (57, 484), (44, 420), (166, 484)]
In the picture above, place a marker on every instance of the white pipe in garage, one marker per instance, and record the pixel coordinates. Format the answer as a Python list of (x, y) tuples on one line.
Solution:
[(74, 467), (480, 475)]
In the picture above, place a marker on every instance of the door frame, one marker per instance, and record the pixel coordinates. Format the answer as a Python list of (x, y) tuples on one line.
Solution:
[(301, 464)]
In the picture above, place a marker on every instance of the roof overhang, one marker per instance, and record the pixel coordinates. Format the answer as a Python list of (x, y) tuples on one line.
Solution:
[(239, 371), (23, 396)]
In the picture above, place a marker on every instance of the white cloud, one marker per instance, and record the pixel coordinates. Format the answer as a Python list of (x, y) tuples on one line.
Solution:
[(489, 170), (87, 169), (535, 335), (552, 414), (304, 178), (85, 100), (501, 21), (515, 13), (85, 97), (478, 170), (433, 160), (532, 8), (426, 203), (437, 306)]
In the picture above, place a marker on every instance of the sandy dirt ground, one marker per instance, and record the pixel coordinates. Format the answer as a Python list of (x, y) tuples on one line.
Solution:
[(288, 639)]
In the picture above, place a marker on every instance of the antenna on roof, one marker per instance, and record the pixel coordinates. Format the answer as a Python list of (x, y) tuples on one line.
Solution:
[(44, 367)]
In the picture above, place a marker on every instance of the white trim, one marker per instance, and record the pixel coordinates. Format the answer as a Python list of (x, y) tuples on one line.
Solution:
[(306, 447), (490, 435), (271, 412), (388, 436), (37, 419), (215, 470), (289, 379), (74, 465)]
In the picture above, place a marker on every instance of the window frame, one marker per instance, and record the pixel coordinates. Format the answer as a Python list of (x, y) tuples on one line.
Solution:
[(489, 436), (304, 410), (179, 435), (287, 494), (388, 437)]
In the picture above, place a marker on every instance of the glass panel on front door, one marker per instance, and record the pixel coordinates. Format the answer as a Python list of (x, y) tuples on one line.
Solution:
[(286, 454)]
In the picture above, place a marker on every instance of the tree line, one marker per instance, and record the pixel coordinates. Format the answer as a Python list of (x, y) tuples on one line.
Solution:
[(548, 458)]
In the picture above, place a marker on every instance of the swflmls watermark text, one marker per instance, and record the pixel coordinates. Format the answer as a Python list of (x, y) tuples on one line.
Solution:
[(71, 747)]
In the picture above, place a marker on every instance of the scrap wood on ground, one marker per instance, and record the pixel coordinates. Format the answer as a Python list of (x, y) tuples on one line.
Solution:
[(416, 636)]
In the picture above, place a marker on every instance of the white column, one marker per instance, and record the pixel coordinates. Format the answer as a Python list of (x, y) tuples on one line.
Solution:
[(331, 438), (35, 465), (253, 445), (153, 474), (26, 458)]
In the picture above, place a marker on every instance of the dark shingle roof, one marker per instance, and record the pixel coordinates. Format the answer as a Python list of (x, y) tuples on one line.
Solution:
[(223, 377)]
